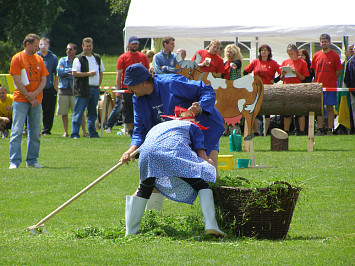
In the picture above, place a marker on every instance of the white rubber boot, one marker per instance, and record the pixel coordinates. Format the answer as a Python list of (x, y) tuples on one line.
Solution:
[(209, 214), (134, 213), (155, 202)]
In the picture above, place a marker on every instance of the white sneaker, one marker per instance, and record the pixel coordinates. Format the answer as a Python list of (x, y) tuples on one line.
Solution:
[(108, 130), (35, 165), (13, 166)]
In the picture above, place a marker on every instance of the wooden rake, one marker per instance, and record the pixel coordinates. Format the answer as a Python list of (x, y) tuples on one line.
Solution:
[(39, 227)]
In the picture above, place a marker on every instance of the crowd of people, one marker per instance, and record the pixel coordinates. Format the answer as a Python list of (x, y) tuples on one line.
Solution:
[(73, 82), (157, 90)]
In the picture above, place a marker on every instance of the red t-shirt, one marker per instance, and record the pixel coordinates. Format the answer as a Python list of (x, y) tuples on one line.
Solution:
[(325, 66), (35, 69), (216, 65), (300, 66), (264, 69), (127, 59)]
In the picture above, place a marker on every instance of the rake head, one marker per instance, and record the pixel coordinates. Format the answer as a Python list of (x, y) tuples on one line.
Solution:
[(37, 229)]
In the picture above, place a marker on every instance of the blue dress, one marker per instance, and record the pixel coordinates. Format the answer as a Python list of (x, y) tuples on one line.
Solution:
[(172, 90), (169, 152)]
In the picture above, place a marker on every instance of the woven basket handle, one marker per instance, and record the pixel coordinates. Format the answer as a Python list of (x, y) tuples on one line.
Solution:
[(281, 182)]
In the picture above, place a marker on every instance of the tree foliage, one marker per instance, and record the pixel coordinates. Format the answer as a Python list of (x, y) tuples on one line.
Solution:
[(62, 21), (20, 17), (88, 18), (119, 6)]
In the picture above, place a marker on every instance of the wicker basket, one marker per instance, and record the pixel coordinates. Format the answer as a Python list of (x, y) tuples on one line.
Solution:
[(260, 212)]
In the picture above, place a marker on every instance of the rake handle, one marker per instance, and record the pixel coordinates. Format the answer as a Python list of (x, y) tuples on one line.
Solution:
[(40, 223)]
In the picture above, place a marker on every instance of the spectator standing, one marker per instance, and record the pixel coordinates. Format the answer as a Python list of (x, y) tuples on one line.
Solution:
[(349, 79), (232, 71), (300, 70), (132, 56), (210, 60), (164, 62), (29, 74), (266, 68), (183, 53), (50, 90), (66, 97), (304, 55), (327, 66), (87, 71), (233, 63), (150, 56), (5, 112)]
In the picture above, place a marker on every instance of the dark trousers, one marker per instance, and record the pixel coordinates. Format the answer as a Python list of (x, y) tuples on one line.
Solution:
[(48, 108), (146, 187)]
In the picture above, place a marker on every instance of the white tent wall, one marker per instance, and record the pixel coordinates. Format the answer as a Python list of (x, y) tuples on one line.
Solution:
[(191, 22)]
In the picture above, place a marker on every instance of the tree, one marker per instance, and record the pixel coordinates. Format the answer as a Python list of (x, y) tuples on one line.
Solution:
[(20, 17), (88, 18), (119, 6)]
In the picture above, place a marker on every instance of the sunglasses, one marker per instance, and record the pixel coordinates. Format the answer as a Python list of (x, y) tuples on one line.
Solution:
[(69, 49)]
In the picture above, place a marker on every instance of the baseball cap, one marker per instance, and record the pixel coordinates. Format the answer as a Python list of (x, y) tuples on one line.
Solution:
[(133, 40), (135, 74)]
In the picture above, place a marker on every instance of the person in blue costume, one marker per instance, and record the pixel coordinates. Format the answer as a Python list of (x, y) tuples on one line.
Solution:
[(173, 160), (158, 95)]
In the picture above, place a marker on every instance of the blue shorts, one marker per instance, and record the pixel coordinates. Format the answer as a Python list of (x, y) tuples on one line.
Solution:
[(329, 97)]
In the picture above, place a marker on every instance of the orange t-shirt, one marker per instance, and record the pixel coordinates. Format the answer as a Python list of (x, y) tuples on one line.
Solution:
[(35, 69)]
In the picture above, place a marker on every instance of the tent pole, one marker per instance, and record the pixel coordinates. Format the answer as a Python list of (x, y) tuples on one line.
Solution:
[(256, 46)]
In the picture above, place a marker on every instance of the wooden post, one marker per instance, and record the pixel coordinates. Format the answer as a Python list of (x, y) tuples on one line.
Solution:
[(311, 132), (103, 114), (252, 156), (246, 147)]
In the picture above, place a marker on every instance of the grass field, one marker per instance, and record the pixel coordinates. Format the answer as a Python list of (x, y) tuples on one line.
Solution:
[(90, 231)]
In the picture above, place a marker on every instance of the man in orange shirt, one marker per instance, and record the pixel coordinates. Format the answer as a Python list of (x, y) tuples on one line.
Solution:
[(29, 74)]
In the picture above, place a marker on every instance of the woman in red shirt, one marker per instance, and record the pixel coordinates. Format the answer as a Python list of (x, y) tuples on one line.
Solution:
[(265, 68), (300, 72)]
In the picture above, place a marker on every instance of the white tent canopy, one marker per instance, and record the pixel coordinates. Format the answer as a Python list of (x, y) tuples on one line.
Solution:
[(192, 21)]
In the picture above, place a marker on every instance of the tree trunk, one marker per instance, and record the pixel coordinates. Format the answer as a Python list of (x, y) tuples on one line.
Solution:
[(292, 99)]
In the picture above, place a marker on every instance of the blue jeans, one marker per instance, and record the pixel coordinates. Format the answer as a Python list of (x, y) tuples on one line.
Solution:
[(20, 111), (90, 104), (114, 114)]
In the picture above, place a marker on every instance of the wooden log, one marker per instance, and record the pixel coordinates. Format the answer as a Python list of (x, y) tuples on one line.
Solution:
[(279, 140), (292, 99)]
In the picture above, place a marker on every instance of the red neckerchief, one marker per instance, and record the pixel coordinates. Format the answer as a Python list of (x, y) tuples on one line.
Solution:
[(181, 114)]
